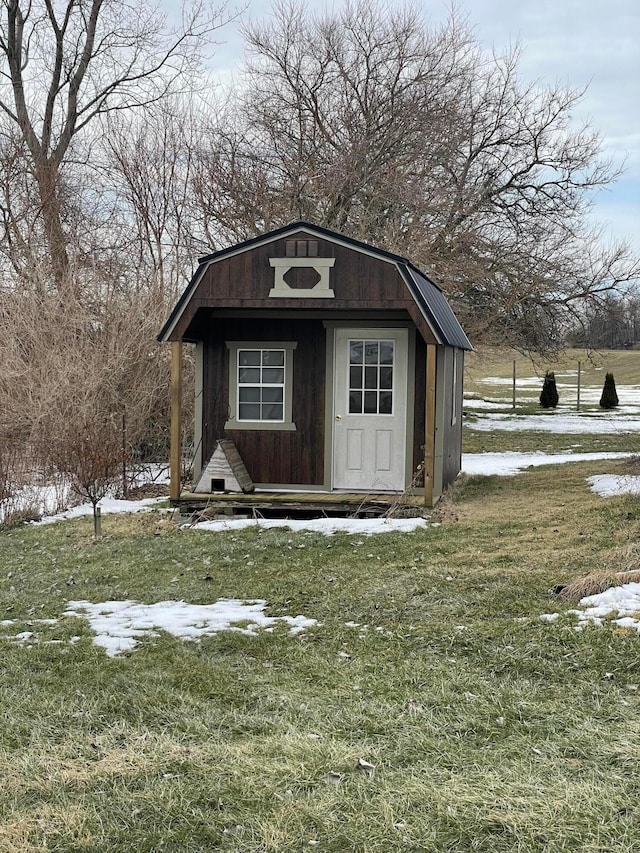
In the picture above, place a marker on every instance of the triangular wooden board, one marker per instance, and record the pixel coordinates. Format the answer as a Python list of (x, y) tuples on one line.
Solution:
[(225, 471)]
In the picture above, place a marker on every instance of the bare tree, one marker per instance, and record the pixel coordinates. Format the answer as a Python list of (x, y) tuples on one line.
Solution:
[(63, 65), (369, 121), (147, 168)]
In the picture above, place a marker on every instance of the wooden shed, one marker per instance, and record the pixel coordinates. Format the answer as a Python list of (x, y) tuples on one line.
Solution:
[(322, 365)]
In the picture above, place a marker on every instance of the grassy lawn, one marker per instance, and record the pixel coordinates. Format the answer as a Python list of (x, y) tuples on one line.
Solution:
[(488, 729), (526, 441)]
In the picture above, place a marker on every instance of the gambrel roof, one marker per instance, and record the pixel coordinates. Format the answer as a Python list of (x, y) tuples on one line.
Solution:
[(427, 296)]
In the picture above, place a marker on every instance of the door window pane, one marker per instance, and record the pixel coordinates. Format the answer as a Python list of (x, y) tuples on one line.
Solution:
[(371, 402), (355, 350), (386, 377), (386, 407), (371, 349), (371, 377), (386, 352), (370, 387), (355, 402)]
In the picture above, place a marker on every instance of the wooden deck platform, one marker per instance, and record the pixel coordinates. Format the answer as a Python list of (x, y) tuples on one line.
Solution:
[(302, 504)]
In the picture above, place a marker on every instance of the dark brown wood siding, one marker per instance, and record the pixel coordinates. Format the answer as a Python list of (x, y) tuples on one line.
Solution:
[(359, 281), (271, 456)]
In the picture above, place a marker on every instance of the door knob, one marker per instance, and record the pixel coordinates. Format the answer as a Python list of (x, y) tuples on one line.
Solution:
[(338, 417)]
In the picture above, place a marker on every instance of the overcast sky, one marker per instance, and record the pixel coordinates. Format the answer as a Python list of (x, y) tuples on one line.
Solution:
[(594, 43)]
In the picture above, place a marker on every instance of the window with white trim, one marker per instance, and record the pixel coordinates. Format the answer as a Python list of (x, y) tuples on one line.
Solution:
[(260, 385)]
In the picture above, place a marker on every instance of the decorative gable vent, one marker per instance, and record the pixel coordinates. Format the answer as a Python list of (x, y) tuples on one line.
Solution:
[(301, 255)]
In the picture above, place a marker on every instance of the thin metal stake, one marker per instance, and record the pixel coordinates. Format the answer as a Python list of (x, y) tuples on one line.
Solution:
[(578, 400)]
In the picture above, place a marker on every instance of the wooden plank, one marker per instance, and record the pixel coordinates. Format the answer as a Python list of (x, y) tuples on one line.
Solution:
[(320, 498), (430, 423), (175, 456), (353, 505)]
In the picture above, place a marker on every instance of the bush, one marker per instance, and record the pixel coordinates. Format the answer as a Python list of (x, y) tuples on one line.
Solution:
[(549, 394), (609, 399)]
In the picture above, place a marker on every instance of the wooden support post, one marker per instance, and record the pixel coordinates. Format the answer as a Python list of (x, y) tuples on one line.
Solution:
[(125, 484), (175, 458), (513, 403), (578, 396), (430, 427)]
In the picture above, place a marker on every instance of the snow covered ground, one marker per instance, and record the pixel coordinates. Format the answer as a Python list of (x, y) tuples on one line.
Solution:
[(619, 605), (118, 626), (327, 526), (609, 485), (571, 423), (108, 506), (507, 464), (49, 500)]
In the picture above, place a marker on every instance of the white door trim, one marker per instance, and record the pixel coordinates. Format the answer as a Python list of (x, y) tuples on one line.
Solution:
[(368, 451)]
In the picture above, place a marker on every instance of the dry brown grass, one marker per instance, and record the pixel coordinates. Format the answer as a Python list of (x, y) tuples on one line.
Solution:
[(597, 582)]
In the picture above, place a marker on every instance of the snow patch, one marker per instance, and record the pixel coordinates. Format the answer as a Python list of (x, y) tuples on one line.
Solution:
[(595, 423), (327, 526), (610, 485), (623, 602), (119, 625), (108, 506), (508, 463)]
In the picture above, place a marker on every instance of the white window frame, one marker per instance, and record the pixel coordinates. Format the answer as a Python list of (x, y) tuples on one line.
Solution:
[(234, 422)]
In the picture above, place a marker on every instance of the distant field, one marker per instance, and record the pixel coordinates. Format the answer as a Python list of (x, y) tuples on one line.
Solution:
[(489, 392), (489, 363)]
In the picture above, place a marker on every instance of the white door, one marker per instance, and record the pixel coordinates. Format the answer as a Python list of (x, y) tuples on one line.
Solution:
[(370, 409)]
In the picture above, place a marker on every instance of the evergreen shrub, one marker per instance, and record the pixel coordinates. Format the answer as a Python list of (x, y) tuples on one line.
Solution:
[(609, 398), (549, 394)]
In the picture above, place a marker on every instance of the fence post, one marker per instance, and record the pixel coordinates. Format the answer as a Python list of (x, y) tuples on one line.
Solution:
[(578, 399), (513, 403)]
